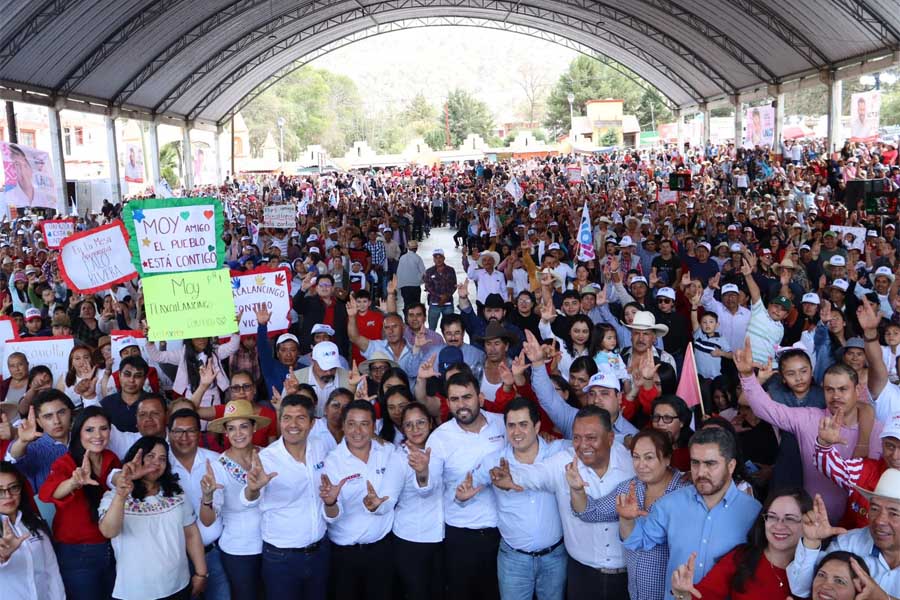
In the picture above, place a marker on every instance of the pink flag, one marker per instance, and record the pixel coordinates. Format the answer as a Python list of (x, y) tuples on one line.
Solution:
[(689, 385)]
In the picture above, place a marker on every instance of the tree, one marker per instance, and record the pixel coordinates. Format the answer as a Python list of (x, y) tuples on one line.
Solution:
[(532, 80), (170, 163), (610, 138), (419, 115), (468, 115)]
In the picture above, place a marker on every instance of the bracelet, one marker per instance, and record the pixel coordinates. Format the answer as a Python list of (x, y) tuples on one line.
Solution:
[(205, 503), (204, 576), (871, 339), (330, 505)]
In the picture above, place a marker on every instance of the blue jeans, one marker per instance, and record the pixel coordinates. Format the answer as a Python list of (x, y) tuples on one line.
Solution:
[(243, 573), (293, 575), (522, 576), (217, 584), (88, 570), (435, 312)]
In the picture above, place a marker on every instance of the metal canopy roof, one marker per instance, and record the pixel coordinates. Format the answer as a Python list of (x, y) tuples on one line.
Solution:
[(198, 60)]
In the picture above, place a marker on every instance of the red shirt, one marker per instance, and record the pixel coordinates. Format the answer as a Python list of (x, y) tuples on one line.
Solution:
[(369, 326), (72, 523), (768, 581), (328, 317), (260, 436)]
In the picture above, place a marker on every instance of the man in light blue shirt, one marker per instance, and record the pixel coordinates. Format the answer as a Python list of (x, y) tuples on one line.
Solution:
[(710, 517)]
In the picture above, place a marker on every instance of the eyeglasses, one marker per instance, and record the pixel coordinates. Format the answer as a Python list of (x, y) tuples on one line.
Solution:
[(378, 368), (183, 432), (665, 419), (789, 520), (664, 300), (417, 424), (13, 490), (242, 387), (324, 284)]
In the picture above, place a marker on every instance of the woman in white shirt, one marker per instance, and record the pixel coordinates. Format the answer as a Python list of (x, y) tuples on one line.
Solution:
[(153, 530), (80, 383), (577, 342), (28, 569), (241, 541), (419, 514)]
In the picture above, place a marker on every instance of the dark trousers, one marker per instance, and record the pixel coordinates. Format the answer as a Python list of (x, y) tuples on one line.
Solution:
[(470, 563), (363, 571), (419, 570), (244, 574), (588, 583), (290, 574), (184, 594), (411, 294), (88, 570)]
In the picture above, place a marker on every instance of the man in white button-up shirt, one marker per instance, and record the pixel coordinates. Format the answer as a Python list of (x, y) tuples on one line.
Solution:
[(596, 559), (458, 447), (361, 513), (284, 480)]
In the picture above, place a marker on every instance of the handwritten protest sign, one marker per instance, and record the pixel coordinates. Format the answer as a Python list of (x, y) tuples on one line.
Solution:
[(280, 216), (52, 352), (189, 305), (56, 230), (96, 260), (262, 287), (175, 235), (8, 329)]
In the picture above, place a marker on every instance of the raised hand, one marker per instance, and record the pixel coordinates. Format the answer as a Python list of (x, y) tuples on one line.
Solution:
[(866, 587), (868, 316), (372, 500), (88, 385), (713, 282), (28, 431), (263, 315), (426, 367), (532, 348), (501, 477), (135, 468), (124, 486), (392, 285), (421, 340), (10, 542), (462, 289), (362, 390), (743, 359), (208, 483), (601, 297), (352, 309), (573, 477), (519, 365), (815, 523), (506, 375), (207, 373), (257, 478), (765, 372), (548, 312), (466, 490), (627, 504), (329, 492), (683, 579), (82, 475), (291, 385), (5, 427), (276, 399), (830, 429), (353, 377)]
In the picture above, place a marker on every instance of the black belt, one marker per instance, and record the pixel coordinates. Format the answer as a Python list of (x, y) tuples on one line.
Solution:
[(210, 547), (305, 550), (543, 552)]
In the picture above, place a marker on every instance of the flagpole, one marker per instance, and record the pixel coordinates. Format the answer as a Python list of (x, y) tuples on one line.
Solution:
[(696, 381)]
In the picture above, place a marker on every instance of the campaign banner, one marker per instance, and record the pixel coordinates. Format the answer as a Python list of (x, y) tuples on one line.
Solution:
[(280, 216), (8, 329), (27, 178), (759, 127), (175, 235), (574, 174), (865, 115), (262, 287), (585, 236), (664, 195), (52, 352), (96, 259), (56, 230), (189, 305), (134, 163), (851, 237)]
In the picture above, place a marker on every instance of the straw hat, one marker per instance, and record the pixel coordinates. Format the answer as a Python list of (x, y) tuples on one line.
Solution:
[(237, 409), (376, 357), (646, 321), (487, 253)]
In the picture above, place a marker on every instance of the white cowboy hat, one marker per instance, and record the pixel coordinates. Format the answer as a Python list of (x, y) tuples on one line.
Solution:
[(490, 253), (888, 486), (645, 321)]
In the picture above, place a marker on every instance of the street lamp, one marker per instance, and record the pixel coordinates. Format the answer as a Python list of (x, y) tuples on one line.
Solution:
[(571, 99), (281, 134)]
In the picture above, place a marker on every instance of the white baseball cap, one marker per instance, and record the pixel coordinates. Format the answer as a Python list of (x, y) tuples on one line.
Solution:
[(892, 427), (729, 288), (326, 355), (810, 298), (437, 251), (665, 292), (626, 242), (705, 245), (841, 284), (837, 261), (604, 378), (322, 328), (639, 279), (736, 248), (286, 337)]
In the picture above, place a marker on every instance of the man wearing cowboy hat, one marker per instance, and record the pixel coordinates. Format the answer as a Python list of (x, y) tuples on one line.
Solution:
[(324, 374), (878, 544), (494, 311), (882, 280), (644, 331), (487, 279), (496, 342)]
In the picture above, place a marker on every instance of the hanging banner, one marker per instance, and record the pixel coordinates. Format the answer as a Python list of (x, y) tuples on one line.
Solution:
[(8, 329), (865, 115), (262, 287), (585, 236), (175, 235), (280, 216), (851, 237), (759, 128), (189, 305), (56, 230), (52, 352), (27, 178), (574, 174), (134, 163), (96, 259)]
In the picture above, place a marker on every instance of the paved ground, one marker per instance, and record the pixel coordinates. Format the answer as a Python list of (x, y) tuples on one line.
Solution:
[(443, 238)]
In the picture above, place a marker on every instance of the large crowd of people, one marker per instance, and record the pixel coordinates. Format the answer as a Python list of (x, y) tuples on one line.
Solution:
[(513, 431)]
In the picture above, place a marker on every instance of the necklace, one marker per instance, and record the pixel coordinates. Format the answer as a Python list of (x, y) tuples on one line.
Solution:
[(775, 573)]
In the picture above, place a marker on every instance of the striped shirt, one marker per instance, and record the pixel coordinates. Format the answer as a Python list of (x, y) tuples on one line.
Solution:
[(709, 366), (849, 472), (764, 333)]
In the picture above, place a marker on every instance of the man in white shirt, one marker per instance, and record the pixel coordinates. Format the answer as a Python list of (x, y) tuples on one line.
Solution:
[(458, 447), (360, 514), (596, 566), (189, 462), (487, 279), (284, 481)]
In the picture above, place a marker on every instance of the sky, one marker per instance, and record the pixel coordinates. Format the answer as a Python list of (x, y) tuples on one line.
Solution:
[(393, 67)]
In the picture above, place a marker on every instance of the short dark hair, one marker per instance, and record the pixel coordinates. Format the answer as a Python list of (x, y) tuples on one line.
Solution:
[(465, 380), (184, 413), (722, 438), (586, 364), (519, 403), (450, 318), (660, 441), (362, 294), (792, 353), (51, 395), (363, 405), (154, 396), (592, 410), (325, 276), (413, 305), (298, 400), (842, 369), (136, 362)]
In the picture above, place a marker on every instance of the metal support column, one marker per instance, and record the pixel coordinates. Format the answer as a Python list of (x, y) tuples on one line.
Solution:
[(738, 122), (679, 131), (187, 158), (153, 138), (59, 160), (219, 177), (11, 123), (779, 125), (706, 130), (112, 153), (835, 94)]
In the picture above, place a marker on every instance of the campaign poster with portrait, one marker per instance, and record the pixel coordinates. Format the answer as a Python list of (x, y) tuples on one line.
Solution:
[(865, 115), (27, 178), (134, 163), (759, 127)]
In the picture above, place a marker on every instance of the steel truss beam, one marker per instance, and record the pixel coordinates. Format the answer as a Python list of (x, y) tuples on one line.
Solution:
[(42, 18)]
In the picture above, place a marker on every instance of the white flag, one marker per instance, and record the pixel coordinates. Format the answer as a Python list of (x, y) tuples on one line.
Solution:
[(493, 229), (585, 236), (514, 189)]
